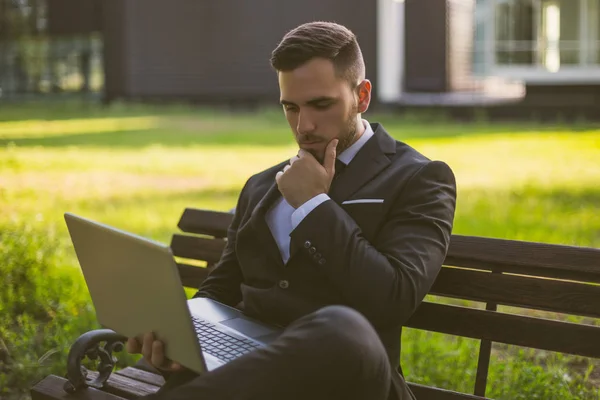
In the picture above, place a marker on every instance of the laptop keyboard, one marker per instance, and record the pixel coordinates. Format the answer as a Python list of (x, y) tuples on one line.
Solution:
[(222, 345)]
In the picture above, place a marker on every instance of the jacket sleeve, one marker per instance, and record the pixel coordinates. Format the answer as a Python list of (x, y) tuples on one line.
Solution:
[(223, 282), (386, 280)]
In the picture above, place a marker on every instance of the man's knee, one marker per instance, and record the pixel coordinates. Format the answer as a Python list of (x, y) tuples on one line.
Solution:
[(344, 319), (350, 338), (350, 332)]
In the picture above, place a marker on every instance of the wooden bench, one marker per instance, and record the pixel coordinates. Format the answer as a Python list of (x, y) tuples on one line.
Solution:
[(495, 272)]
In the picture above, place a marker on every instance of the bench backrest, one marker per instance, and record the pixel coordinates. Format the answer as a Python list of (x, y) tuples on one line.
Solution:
[(546, 277)]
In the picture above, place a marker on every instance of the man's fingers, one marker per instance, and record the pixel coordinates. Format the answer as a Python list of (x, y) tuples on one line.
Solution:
[(278, 176), (159, 359), (286, 168), (158, 354), (133, 346), (330, 154), (294, 159), (175, 366), (153, 351), (147, 346)]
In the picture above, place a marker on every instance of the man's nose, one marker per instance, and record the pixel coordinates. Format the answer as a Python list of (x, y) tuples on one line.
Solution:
[(305, 123)]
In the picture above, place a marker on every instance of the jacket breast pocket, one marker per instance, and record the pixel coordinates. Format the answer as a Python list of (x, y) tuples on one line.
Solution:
[(367, 215)]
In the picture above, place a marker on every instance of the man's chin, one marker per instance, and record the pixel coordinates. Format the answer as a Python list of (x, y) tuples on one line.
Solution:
[(318, 154)]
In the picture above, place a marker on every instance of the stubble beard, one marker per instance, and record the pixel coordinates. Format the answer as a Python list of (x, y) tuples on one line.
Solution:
[(346, 138)]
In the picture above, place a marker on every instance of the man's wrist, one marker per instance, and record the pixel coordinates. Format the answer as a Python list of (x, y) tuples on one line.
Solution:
[(306, 208)]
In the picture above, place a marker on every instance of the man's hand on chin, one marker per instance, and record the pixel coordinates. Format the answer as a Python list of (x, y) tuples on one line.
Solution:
[(305, 178)]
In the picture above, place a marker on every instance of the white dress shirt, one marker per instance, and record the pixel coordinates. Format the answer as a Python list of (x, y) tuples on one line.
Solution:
[(283, 219)]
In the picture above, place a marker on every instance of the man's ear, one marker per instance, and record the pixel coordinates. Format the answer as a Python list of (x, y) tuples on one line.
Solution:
[(363, 92)]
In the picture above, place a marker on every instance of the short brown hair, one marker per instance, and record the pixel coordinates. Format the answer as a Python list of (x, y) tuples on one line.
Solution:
[(321, 40)]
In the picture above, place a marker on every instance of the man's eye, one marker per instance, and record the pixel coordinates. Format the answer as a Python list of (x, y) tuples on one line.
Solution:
[(290, 108)]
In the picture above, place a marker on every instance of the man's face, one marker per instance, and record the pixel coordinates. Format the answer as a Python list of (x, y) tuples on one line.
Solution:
[(319, 106)]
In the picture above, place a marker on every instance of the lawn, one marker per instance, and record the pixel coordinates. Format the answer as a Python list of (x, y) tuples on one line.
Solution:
[(138, 167)]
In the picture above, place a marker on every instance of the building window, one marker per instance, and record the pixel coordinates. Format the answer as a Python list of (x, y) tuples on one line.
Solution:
[(548, 34), (36, 61), (592, 29), (516, 38)]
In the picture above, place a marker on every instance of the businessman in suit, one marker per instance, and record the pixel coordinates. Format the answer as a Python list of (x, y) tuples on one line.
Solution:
[(339, 244)]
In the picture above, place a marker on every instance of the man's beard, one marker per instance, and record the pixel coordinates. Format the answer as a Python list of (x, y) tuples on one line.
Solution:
[(346, 138)]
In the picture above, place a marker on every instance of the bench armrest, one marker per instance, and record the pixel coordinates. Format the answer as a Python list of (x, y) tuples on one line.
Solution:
[(89, 345)]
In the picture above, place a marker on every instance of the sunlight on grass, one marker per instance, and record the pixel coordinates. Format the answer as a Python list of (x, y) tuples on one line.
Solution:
[(43, 128), (518, 184), (512, 183)]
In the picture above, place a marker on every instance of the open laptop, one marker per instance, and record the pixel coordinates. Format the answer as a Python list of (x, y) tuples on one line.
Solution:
[(135, 288)]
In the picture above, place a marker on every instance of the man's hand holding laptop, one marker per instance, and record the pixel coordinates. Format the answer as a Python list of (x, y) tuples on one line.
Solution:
[(153, 352)]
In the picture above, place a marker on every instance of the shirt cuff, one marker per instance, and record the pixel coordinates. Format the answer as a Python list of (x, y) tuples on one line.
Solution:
[(301, 212)]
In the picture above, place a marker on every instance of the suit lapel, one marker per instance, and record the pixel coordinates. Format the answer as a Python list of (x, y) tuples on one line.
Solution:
[(258, 222), (368, 163)]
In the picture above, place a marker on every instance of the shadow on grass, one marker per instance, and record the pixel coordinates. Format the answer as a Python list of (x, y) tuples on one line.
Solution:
[(260, 134), (157, 137), (65, 110), (185, 125)]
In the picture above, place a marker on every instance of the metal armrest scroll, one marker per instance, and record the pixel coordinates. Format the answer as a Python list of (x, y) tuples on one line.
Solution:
[(89, 345)]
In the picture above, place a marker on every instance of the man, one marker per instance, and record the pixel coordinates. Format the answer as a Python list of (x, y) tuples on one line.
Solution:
[(340, 243)]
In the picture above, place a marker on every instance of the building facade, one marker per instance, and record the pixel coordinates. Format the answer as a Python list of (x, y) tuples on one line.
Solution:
[(498, 54)]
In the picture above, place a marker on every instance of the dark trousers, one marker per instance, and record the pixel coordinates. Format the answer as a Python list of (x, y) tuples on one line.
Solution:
[(331, 354)]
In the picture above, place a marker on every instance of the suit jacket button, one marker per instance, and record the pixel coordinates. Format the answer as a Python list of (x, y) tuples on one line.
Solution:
[(307, 244), (322, 261), (284, 284), (317, 256), (312, 250)]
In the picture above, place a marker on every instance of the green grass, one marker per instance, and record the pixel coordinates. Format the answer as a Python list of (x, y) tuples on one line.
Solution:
[(138, 167)]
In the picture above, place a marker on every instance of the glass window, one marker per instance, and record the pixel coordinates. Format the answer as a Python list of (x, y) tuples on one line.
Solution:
[(480, 39), (515, 32), (596, 43), (544, 33), (593, 32), (559, 34), (33, 62)]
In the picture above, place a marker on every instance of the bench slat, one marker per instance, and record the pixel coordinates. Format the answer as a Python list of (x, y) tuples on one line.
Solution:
[(506, 328), (518, 291), (142, 376), (125, 387), (541, 294), (192, 276), (531, 258), (197, 248), (541, 272), (527, 258), (51, 388), (433, 393), (205, 222), (420, 390)]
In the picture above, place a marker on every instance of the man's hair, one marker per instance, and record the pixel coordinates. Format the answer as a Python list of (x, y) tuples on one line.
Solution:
[(319, 39)]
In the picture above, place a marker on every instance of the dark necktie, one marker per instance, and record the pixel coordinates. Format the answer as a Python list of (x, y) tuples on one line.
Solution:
[(339, 168)]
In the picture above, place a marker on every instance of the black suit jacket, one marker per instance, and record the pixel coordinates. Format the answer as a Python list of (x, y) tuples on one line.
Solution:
[(378, 258)]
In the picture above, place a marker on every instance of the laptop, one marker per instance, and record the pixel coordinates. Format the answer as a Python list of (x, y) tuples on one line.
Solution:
[(135, 288)]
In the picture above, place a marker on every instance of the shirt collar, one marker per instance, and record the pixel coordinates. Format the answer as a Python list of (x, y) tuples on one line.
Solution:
[(347, 155)]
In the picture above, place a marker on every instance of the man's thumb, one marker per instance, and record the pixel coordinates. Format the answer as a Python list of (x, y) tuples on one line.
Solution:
[(330, 155)]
